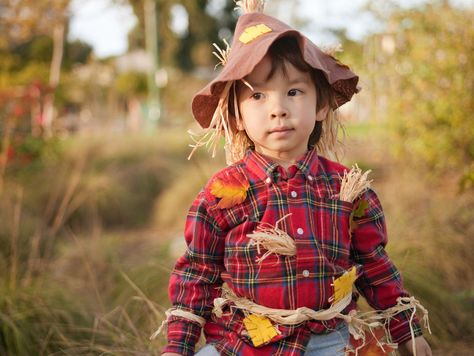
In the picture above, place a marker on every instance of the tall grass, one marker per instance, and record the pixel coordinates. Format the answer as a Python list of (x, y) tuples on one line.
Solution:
[(85, 238), (430, 227)]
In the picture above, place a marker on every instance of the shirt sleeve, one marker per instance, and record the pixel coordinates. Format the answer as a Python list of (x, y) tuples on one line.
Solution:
[(196, 277), (380, 282)]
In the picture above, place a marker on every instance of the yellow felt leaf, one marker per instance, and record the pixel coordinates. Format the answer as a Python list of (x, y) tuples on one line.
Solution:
[(343, 284), (253, 32), (260, 329), (231, 189)]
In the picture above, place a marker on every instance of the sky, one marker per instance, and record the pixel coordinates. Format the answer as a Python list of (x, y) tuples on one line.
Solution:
[(105, 25), (101, 24)]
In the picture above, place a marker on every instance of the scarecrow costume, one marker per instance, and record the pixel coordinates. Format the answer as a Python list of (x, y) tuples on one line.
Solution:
[(274, 256)]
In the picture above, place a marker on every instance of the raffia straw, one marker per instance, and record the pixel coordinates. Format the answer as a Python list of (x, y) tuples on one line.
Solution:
[(279, 316), (219, 125), (358, 322), (222, 54), (332, 50), (273, 239), (180, 314), (249, 6), (354, 183)]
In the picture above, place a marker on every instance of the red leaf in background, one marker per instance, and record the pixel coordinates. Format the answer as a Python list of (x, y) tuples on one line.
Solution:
[(10, 153), (18, 111), (231, 188)]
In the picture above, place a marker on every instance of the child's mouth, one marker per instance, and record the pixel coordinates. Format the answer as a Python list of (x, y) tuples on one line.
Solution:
[(281, 130)]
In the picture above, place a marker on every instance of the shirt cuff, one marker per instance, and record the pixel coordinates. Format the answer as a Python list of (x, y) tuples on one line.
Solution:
[(182, 336), (399, 327)]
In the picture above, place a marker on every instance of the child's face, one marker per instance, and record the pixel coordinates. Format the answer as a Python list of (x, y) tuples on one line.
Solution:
[(280, 113)]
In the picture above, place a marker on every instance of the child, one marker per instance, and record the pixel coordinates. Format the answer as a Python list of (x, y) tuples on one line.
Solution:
[(273, 247)]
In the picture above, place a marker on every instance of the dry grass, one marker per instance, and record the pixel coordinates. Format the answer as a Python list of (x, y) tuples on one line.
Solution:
[(430, 227), (86, 273)]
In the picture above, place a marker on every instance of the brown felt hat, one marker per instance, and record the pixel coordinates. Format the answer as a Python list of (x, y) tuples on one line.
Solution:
[(254, 34)]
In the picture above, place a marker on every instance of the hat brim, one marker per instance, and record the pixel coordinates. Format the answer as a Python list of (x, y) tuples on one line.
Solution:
[(244, 58)]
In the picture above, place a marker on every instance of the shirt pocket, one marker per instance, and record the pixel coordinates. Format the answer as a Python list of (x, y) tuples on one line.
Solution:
[(332, 229), (239, 255)]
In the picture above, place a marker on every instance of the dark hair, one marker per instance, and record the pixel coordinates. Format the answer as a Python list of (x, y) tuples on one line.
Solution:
[(286, 49)]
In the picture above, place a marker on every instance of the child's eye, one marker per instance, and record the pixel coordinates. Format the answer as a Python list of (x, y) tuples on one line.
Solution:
[(294, 92), (257, 96)]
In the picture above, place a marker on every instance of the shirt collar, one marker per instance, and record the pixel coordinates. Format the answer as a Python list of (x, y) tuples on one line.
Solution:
[(264, 168)]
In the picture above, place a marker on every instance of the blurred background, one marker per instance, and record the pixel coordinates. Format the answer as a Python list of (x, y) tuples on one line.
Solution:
[(94, 178)]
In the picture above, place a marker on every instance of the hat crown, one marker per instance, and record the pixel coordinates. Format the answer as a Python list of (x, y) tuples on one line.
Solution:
[(254, 33), (248, 21)]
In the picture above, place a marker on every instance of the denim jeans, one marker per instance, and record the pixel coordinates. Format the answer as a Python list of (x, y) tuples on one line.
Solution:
[(331, 344)]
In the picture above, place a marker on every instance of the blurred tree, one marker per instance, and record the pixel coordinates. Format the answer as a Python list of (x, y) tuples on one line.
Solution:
[(76, 52), (21, 20), (206, 21), (38, 50), (425, 65)]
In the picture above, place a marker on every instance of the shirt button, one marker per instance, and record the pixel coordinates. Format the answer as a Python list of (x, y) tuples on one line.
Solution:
[(305, 273), (310, 177), (294, 194), (268, 180), (300, 231)]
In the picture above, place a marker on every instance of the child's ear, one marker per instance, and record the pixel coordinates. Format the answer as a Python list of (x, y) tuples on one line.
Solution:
[(322, 113)]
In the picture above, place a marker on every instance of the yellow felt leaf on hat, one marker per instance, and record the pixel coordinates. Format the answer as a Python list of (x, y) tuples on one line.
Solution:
[(231, 188), (253, 32), (260, 329), (343, 284)]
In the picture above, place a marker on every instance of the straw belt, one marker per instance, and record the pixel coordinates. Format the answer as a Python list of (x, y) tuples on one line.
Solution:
[(279, 316), (358, 322)]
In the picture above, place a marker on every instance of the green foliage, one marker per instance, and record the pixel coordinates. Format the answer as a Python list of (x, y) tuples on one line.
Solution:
[(131, 83), (430, 84), (194, 47), (76, 52)]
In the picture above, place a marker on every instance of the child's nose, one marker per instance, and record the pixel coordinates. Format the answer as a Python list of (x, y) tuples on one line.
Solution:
[(278, 111)]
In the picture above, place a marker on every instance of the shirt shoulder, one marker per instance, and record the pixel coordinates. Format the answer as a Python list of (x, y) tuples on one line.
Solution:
[(231, 178), (331, 168)]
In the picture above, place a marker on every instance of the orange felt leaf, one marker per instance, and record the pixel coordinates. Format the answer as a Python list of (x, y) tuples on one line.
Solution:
[(372, 344), (231, 188)]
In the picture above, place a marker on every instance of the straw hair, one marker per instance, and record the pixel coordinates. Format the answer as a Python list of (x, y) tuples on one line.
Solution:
[(237, 142), (220, 125), (249, 6), (329, 145)]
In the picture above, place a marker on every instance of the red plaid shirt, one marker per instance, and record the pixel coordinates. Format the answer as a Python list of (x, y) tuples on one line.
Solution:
[(219, 251)]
